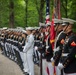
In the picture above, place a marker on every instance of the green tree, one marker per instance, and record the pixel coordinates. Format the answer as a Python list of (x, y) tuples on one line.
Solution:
[(36, 12), (11, 14)]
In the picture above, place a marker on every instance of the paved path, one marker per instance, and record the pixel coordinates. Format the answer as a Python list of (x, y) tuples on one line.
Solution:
[(8, 67)]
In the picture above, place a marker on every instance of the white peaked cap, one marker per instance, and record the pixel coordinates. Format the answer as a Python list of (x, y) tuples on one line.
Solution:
[(67, 20), (36, 28), (58, 21), (41, 24), (24, 31), (5, 28), (29, 28), (20, 28)]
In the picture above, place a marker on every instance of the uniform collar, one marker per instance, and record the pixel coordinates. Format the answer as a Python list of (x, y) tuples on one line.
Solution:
[(70, 33)]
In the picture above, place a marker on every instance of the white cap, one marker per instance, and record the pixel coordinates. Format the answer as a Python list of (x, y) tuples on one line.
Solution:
[(67, 20), (24, 31), (5, 28), (20, 28), (58, 21), (36, 28), (29, 28), (42, 24)]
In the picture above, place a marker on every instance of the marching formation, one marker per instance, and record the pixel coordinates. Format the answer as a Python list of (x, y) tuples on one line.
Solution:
[(26, 46)]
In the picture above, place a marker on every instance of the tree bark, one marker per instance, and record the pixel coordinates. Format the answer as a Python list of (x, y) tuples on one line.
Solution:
[(65, 7), (0, 14), (11, 14), (26, 12), (40, 9)]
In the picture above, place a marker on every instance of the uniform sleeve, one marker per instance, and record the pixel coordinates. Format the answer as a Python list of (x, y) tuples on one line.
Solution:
[(57, 57), (71, 56), (61, 39), (49, 50), (58, 50), (28, 44)]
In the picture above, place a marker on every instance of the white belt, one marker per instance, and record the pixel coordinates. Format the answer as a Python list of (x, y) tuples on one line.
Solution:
[(37, 40), (65, 54)]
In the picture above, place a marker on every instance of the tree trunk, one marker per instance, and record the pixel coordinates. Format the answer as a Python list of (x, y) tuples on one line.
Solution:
[(26, 12), (41, 11), (66, 9), (0, 13), (0, 18), (11, 14)]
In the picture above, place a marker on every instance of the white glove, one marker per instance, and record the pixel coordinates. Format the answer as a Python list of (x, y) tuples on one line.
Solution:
[(47, 47), (60, 66), (36, 48), (52, 60), (56, 49)]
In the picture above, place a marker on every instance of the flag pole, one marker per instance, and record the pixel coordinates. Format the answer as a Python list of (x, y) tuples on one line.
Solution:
[(41, 64), (52, 30), (58, 6), (47, 21), (56, 14)]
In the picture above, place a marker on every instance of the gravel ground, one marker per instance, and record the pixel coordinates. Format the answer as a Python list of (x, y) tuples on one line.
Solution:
[(8, 67)]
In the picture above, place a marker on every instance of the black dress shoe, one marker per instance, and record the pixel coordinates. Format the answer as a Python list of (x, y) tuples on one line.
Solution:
[(21, 67), (26, 73)]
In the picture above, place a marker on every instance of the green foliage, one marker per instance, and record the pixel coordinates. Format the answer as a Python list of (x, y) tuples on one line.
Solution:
[(19, 12), (32, 16), (4, 13), (32, 12)]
